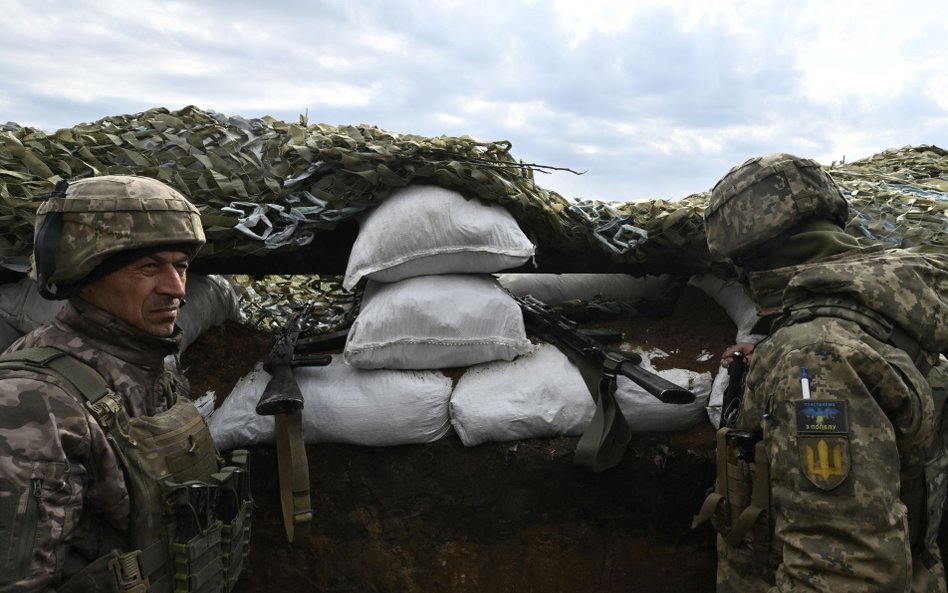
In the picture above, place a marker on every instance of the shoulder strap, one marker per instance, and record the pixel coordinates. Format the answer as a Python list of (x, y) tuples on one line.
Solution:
[(873, 323), (86, 380)]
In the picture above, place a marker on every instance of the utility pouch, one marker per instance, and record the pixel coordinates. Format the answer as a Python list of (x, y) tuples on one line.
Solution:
[(234, 508), (196, 540), (737, 508), (19, 520)]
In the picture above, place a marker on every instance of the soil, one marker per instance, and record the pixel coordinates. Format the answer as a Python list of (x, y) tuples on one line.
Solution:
[(499, 517)]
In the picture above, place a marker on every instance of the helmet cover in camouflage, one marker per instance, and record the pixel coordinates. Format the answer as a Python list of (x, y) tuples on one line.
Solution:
[(764, 198), (101, 216)]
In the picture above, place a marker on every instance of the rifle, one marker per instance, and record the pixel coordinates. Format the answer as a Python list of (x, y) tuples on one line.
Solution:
[(548, 324), (290, 350), (283, 400), (604, 440)]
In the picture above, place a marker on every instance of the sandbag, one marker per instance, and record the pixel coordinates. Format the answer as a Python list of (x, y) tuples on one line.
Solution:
[(427, 229), (23, 308), (733, 298), (211, 300), (646, 413), (537, 395), (342, 405), (433, 322), (554, 289), (543, 395)]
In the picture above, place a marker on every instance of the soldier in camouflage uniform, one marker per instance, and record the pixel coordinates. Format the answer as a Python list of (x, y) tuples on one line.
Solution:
[(118, 248), (833, 478)]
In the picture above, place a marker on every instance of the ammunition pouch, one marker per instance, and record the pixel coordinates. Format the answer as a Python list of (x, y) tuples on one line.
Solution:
[(738, 507), (208, 536), (211, 528)]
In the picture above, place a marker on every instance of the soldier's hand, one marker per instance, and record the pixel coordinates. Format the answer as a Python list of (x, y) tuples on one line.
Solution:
[(745, 348)]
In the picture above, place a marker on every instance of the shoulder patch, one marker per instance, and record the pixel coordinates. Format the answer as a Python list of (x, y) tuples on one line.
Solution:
[(825, 460), (815, 416)]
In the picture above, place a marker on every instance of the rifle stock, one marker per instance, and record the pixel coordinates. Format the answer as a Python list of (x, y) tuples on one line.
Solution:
[(282, 393)]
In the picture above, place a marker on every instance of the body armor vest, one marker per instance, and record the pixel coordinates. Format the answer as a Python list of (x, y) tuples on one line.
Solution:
[(189, 527)]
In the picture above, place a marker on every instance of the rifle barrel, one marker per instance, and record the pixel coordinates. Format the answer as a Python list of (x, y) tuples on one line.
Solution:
[(661, 388)]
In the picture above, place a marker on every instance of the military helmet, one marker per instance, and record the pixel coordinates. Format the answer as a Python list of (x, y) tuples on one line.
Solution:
[(87, 222), (757, 204)]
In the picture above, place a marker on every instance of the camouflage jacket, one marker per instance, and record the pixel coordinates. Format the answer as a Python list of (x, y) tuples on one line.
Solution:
[(846, 463), (55, 460)]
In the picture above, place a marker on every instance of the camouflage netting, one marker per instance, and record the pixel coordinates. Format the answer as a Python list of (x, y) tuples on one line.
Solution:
[(898, 198), (264, 184), (268, 303)]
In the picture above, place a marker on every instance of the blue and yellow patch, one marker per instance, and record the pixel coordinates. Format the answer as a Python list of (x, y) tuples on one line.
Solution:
[(823, 438), (821, 417)]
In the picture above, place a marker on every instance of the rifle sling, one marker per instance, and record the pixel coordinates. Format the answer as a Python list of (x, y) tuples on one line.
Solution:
[(294, 475), (604, 441)]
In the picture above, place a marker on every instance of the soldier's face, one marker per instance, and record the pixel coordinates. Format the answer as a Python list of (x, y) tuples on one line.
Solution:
[(146, 293)]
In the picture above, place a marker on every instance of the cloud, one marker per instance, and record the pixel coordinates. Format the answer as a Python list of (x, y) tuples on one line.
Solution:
[(654, 98)]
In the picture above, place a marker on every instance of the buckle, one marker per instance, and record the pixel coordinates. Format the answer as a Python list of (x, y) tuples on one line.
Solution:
[(105, 407), (127, 569)]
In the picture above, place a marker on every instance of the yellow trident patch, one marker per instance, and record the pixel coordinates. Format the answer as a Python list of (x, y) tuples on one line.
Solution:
[(825, 460)]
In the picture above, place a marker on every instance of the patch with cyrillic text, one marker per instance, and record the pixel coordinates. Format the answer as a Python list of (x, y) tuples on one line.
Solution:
[(821, 417)]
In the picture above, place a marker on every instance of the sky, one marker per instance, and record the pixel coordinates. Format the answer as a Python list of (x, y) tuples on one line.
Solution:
[(650, 99)]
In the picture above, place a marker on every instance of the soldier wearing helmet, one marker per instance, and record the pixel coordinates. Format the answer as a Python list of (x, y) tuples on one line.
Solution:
[(833, 474), (89, 500)]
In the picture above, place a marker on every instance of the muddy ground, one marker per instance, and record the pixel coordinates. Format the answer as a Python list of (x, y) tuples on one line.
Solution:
[(499, 517)]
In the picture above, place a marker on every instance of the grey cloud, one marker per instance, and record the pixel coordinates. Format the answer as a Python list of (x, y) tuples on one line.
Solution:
[(653, 112)]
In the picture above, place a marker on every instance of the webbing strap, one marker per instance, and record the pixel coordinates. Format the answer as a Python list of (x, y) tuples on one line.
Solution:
[(87, 381), (720, 488), (760, 497), (605, 439), (294, 474)]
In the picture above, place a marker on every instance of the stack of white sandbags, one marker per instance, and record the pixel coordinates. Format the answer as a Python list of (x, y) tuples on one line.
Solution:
[(430, 301), (426, 254)]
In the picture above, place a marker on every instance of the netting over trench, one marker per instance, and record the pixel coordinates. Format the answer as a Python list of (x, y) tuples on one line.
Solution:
[(264, 185)]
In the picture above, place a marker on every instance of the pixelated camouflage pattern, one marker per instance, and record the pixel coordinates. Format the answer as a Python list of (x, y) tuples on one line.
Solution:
[(910, 288), (112, 213), (46, 434), (854, 537), (766, 196)]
